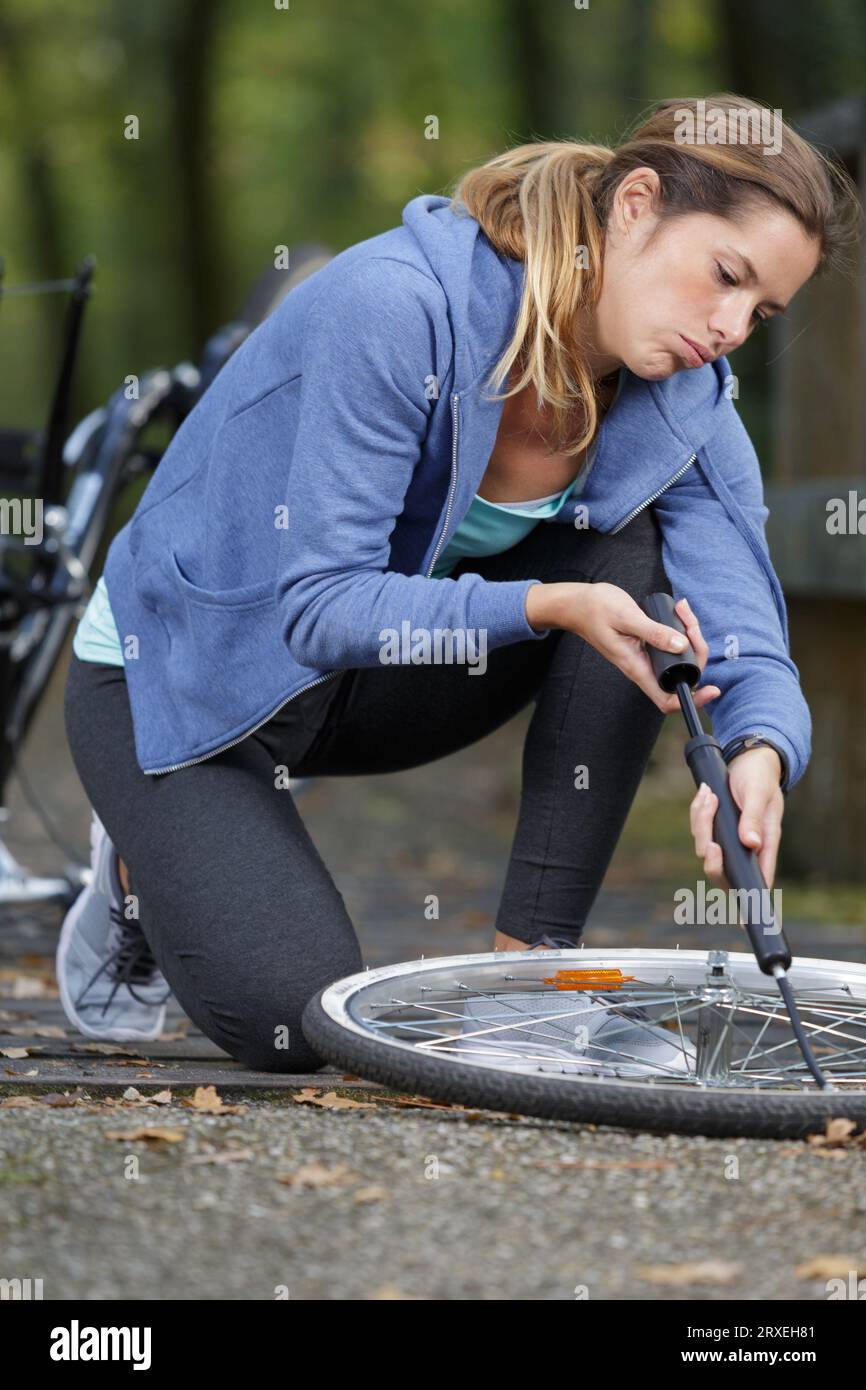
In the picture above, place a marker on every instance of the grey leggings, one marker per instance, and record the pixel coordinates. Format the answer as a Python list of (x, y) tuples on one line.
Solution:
[(240, 910)]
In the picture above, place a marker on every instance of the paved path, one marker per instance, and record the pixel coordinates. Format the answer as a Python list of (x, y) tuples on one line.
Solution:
[(393, 1199)]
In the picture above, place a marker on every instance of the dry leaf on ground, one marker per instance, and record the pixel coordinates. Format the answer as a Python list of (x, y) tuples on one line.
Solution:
[(604, 1163), (30, 1030), (15, 985), (695, 1272), (838, 1133), (206, 1101), (373, 1193), (830, 1267), (330, 1101), (319, 1175), (390, 1291), (237, 1155), (153, 1134)]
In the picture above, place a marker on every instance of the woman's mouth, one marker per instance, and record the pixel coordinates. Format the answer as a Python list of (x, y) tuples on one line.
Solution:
[(694, 354)]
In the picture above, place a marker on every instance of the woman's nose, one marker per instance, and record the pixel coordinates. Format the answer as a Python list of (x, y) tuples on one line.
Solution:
[(730, 328)]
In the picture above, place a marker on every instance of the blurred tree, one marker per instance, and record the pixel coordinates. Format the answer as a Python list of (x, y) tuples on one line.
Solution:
[(41, 209), (190, 62), (788, 55)]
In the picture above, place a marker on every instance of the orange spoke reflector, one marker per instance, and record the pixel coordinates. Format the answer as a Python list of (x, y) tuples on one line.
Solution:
[(587, 979)]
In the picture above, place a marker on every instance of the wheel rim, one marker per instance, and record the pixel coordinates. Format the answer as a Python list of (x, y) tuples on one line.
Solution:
[(726, 1022)]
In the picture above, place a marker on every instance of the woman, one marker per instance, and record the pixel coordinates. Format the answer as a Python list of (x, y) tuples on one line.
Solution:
[(356, 489)]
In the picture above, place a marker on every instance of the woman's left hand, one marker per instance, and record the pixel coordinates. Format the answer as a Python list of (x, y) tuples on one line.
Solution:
[(753, 777)]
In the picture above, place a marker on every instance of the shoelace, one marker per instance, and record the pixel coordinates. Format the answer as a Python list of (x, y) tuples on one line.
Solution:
[(130, 963)]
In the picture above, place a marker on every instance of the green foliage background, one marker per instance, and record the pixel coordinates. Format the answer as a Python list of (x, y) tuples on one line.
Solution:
[(262, 125)]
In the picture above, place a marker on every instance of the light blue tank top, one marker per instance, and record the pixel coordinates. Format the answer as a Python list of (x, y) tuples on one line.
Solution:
[(487, 529), (491, 527), (96, 637)]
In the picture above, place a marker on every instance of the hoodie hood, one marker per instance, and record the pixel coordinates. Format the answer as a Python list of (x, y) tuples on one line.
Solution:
[(659, 425), (483, 287)]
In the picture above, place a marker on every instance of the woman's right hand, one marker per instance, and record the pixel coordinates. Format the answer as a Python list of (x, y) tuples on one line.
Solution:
[(616, 625)]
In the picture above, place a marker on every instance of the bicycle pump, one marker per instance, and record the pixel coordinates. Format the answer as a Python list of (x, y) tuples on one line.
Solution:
[(676, 673)]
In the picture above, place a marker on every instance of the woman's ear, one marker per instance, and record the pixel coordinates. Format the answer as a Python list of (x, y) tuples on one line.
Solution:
[(636, 199)]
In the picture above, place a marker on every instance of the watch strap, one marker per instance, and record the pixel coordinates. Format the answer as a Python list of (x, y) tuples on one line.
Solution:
[(745, 741)]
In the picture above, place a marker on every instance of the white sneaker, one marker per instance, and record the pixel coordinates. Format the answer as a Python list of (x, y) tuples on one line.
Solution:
[(110, 985), (568, 1031)]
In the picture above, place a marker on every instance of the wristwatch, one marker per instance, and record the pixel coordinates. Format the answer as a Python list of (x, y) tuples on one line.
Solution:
[(755, 740)]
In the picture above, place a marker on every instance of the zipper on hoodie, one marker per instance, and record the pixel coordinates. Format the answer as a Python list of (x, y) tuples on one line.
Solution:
[(657, 493), (454, 399), (175, 767)]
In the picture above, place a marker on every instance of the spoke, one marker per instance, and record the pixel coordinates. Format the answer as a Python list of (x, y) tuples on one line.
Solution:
[(751, 1022)]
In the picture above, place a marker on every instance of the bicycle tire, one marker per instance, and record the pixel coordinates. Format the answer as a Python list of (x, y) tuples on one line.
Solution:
[(713, 1112)]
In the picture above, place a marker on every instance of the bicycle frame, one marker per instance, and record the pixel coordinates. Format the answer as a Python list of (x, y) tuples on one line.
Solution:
[(98, 459), (77, 484)]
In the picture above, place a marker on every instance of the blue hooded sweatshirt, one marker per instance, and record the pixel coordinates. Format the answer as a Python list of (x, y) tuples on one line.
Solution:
[(302, 505)]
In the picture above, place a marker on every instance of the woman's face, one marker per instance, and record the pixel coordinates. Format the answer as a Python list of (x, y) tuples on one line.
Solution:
[(690, 280)]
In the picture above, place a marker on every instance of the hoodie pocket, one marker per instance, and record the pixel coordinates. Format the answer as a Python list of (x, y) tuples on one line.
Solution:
[(248, 594)]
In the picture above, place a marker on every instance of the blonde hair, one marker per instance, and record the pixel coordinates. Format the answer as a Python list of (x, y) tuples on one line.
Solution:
[(538, 203)]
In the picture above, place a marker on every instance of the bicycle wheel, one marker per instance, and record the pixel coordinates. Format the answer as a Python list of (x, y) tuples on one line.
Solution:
[(685, 1042)]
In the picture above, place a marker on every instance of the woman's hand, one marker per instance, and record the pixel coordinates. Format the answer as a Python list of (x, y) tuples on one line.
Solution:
[(753, 777), (616, 625)]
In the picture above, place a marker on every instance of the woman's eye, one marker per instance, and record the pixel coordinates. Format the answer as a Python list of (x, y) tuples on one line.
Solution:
[(727, 279)]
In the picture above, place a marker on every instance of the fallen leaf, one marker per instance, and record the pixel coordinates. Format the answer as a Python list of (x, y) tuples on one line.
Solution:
[(29, 1030), (18, 1103), (390, 1291), (319, 1175), (14, 1053), (207, 1102), (223, 1156), (695, 1272), (28, 986), (330, 1101), (829, 1267), (148, 1134), (421, 1102), (59, 1100), (837, 1133), (373, 1193), (653, 1163), (161, 1098), (104, 1049)]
